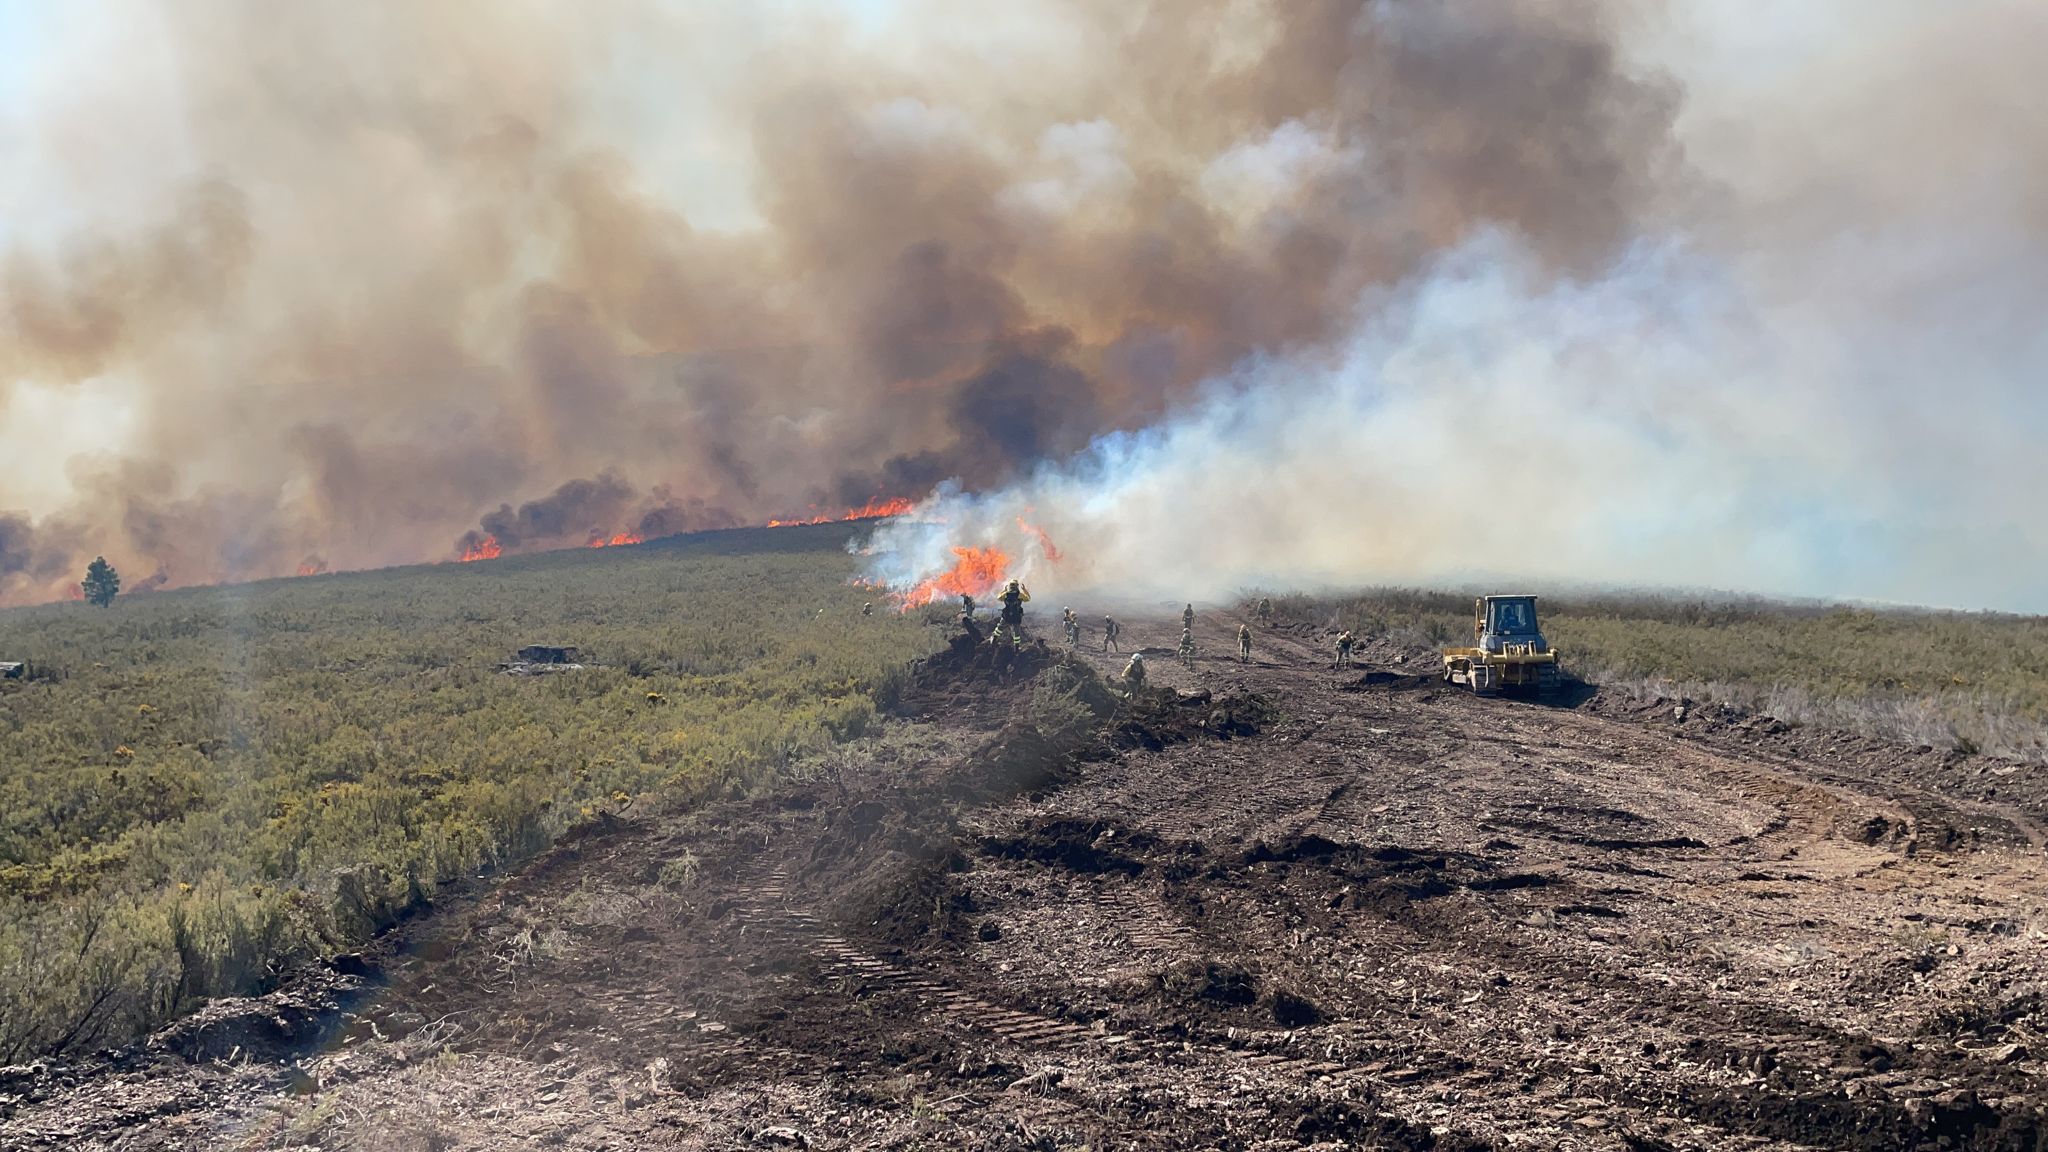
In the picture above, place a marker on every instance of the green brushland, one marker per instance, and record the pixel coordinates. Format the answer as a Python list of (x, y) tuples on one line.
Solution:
[(200, 787)]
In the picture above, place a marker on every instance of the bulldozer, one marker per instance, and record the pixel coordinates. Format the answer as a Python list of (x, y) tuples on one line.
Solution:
[(1508, 651)]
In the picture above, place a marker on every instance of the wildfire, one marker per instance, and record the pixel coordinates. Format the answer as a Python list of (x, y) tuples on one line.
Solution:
[(872, 510), (75, 592), (975, 572), (598, 540), (313, 567), (484, 549), (1045, 544)]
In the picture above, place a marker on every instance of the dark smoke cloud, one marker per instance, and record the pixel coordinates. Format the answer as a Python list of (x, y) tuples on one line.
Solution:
[(423, 282), (16, 540), (577, 509)]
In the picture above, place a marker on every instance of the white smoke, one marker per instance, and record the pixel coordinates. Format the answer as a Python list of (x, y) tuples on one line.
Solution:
[(1487, 421), (1815, 371)]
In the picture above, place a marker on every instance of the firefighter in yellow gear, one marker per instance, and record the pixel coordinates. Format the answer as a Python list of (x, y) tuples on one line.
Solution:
[(1244, 643), (1013, 597)]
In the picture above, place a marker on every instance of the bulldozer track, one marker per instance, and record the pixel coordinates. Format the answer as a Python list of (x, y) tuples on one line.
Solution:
[(1144, 924)]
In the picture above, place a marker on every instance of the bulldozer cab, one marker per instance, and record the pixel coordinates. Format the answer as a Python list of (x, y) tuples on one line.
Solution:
[(1508, 650), (1505, 617)]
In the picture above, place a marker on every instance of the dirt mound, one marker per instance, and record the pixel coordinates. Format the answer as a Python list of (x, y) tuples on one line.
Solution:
[(1017, 760), (971, 681), (1155, 718), (1078, 846), (272, 1027)]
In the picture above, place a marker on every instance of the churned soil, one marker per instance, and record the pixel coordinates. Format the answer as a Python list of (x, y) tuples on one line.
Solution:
[(1273, 905)]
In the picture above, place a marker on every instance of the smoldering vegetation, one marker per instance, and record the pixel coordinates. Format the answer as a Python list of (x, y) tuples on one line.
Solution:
[(376, 280)]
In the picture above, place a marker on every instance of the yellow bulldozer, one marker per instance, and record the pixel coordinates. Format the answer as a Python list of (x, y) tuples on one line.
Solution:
[(1508, 650)]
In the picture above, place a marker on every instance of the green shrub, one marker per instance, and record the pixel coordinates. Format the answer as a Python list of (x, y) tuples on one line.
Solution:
[(212, 783)]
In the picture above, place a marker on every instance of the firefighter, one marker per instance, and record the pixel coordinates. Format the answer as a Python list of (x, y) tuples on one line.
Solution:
[(1265, 608), (1187, 618), (1344, 646), (1244, 643), (1013, 598), (1110, 630), (867, 609), (1187, 646), (966, 604), (1134, 672)]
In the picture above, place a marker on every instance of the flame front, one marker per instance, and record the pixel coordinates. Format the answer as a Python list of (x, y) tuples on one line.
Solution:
[(484, 549), (1045, 544), (975, 572), (872, 510), (598, 540)]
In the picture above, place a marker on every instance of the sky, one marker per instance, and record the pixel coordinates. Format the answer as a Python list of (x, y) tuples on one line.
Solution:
[(688, 295)]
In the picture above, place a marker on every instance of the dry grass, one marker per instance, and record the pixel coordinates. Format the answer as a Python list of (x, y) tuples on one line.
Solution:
[(1974, 681)]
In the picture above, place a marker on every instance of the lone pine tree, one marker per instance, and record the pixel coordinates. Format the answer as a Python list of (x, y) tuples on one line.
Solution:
[(101, 583)]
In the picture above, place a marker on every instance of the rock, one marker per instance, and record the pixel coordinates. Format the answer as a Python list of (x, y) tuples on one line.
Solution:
[(989, 931), (782, 1136), (2005, 1053)]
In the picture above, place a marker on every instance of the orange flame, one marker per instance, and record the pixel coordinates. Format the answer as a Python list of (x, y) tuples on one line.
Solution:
[(875, 509), (312, 567), (872, 510), (485, 549), (1045, 544), (75, 592), (600, 541), (975, 572)]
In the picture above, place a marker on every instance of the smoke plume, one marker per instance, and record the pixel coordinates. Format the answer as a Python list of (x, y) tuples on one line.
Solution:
[(1227, 289), (1797, 360)]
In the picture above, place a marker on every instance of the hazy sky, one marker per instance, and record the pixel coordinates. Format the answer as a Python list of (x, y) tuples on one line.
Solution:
[(1816, 226)]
